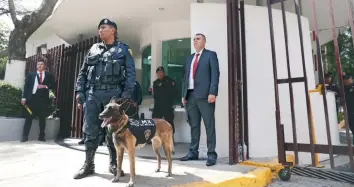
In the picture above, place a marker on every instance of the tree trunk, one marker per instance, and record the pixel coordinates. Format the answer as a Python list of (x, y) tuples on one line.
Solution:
[(17, 45), (24, 28)]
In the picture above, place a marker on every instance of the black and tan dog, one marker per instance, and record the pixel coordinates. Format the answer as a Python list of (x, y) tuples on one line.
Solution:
[(125, 134)]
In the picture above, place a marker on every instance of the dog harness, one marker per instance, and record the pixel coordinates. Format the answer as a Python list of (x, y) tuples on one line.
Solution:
[(143, 130)]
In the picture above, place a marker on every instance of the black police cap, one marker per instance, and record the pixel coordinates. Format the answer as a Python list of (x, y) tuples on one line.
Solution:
[(160, 69), (107, 22), (328, 75), (347, 76)]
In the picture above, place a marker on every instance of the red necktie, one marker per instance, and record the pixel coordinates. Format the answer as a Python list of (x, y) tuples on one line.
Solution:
[(195, 64), (40, 78)]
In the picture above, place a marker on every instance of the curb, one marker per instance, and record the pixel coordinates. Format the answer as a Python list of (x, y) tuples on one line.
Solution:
[(273, 165), (259, 177)]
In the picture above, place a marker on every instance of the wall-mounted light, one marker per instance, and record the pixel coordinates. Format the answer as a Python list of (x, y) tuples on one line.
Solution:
[(44, 49)]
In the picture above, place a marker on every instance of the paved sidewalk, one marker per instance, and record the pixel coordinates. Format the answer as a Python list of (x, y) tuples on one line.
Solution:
[(51, 165)]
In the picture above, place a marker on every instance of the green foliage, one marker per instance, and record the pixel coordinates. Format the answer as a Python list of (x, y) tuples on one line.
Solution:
[(346, 50), (4, 35), (10, 98), (3, 62), (340, 116)]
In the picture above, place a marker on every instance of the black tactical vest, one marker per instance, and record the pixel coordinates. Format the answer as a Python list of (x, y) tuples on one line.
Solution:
[(106, 66)]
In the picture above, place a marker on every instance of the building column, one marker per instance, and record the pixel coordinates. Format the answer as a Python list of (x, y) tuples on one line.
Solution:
[(156, 55)]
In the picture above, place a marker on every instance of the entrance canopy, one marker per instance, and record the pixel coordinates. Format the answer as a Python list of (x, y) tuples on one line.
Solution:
[(72, 18)]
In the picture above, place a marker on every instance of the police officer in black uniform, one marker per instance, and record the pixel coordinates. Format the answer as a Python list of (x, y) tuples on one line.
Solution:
[(349, 96), (164, 93), (332, 87), (108, 71)]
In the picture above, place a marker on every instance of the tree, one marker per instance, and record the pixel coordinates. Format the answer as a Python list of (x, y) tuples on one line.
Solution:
[(24, 27), (4, 38), (346, 49)]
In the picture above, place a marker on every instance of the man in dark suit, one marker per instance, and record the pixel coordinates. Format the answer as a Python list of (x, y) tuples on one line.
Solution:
[(36, 97), (199, 91)]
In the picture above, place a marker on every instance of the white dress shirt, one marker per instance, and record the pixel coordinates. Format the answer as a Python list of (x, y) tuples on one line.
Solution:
[(191, 76), (36, 81)]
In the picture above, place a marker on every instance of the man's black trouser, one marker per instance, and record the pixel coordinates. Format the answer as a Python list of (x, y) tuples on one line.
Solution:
[(95, 100), (198, 108), (166, 112), (351, 123), (39, 107)]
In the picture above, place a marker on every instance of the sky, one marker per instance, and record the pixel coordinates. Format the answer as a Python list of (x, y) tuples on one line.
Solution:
[(29, 4)]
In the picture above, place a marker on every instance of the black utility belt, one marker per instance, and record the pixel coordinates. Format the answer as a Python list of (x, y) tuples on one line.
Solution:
[(105, 87)]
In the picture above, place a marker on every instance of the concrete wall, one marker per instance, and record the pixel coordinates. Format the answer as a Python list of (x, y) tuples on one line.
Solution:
[(213, 24), (52, 40)]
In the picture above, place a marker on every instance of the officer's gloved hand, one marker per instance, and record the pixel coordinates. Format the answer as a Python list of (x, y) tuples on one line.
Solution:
[(80, 97), (125, 95)]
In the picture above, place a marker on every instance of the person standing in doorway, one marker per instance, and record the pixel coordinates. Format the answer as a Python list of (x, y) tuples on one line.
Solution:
[(108, 71), (199, 91), (36, 97), (164, 93), (349, 97)]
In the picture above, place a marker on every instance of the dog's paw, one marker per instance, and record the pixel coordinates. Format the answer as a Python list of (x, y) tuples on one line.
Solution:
[(157, 170), (169, 175), (130, 184), (115, 180)]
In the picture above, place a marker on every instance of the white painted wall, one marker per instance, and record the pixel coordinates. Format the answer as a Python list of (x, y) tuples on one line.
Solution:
[(213, 25), (52, 41), (262, 129)]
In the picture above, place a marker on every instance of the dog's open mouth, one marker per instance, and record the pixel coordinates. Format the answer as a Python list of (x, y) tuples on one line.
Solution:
[(105, 121)]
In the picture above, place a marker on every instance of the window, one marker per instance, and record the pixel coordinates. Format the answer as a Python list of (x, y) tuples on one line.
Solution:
[(174, 53), (146, 70)]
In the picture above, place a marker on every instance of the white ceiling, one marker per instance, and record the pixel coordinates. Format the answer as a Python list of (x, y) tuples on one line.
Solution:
[(74, 17)]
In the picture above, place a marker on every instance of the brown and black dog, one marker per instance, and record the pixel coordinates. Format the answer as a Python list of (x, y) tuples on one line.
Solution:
[(114, 116)]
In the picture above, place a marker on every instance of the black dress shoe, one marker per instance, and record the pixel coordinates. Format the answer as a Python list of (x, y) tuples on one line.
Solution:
[(211, 161), (24, 139), (189, 157), (42, 139), (81, 142)]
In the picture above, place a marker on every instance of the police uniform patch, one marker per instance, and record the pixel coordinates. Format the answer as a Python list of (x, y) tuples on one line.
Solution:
[(130, 51), (105, 21), (119, 50), (112, 49)]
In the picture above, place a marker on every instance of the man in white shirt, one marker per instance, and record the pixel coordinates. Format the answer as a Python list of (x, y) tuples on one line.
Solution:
[(36, 97)]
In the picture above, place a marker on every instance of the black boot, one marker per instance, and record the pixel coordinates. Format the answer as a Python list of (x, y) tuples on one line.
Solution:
[(89, 167)]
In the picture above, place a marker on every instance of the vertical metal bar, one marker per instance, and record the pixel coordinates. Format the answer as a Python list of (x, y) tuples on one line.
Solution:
[(350, 17), (244, 75), (323, 88), (293, 120), (341, 84), (281, 149), (305, 83), (236, 44), (231, 83)]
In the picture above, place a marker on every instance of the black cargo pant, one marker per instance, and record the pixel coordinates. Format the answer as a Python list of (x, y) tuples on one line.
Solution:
[(165, 112), (95, 100)]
